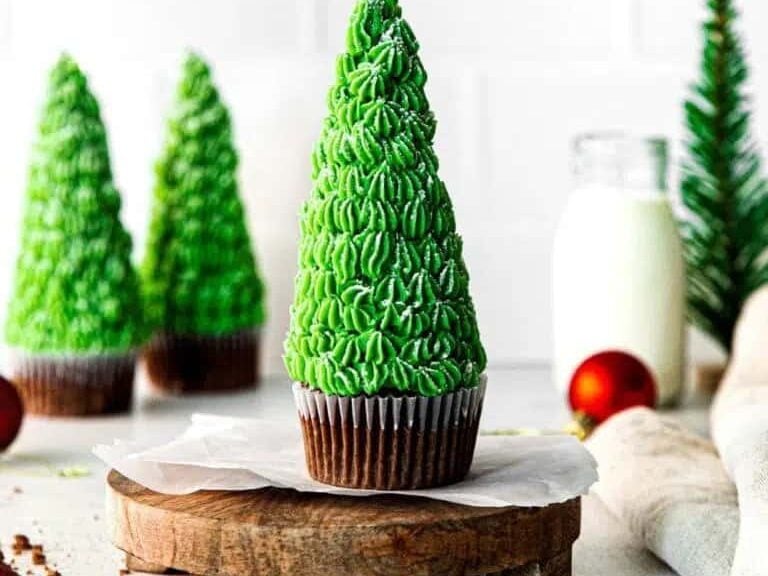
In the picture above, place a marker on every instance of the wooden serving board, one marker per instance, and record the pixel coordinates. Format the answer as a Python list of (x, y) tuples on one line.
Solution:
[(275, 532)]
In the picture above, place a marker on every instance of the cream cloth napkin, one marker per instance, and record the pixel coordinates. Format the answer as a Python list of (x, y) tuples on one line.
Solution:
[(739, 422), (668, 487)]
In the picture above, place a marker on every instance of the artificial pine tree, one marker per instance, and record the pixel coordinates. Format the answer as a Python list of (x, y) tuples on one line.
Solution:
[(723, 186), (382, 304), (76, 314), (203, 292)]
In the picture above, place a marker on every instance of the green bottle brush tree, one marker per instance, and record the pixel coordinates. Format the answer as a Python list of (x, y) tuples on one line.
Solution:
[(202, 286), (382, 298), (76, 293), (723, 185)]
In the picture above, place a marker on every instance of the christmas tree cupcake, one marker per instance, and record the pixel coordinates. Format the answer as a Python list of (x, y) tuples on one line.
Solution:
[(383, 344), (75, 319), (204, 295)]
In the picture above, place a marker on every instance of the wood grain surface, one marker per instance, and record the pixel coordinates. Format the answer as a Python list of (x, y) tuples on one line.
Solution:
[(274, 532)]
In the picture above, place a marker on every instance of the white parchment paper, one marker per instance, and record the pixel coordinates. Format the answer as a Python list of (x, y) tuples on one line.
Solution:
[(221, 453)]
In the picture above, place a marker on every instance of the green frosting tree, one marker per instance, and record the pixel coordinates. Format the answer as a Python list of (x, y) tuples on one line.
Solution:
[(723, 185), (382, 295), (76, 290), (199, 272)]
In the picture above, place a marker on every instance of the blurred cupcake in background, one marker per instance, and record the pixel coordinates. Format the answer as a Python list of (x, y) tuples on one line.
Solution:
[(203, 291), (75, 318)]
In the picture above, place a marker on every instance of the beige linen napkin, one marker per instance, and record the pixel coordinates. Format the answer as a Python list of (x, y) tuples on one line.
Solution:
[(669, 488), (739, 422)]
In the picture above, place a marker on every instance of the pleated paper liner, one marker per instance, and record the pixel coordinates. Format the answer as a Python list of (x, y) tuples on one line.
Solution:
[(74, 385), (389, 442), (179, 363)]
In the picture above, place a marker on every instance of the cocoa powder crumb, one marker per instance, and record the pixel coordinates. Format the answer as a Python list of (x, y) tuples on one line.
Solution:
[(38, 558), (20, 545)]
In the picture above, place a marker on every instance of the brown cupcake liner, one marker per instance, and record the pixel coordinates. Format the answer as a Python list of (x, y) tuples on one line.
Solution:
[(179, 363), (75, 385), (389, 442)]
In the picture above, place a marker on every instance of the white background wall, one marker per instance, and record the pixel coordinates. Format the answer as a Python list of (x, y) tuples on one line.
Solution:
[(511, 82)]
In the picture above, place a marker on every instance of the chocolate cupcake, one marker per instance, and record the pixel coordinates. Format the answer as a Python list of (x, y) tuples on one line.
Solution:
[(204, 295), (383, 344), (201, 363), (75, 319)]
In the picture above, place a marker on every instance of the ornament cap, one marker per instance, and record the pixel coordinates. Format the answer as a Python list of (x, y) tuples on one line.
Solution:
[(581, 426)]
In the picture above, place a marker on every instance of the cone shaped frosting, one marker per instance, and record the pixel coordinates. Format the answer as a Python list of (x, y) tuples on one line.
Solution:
[(382, 301)]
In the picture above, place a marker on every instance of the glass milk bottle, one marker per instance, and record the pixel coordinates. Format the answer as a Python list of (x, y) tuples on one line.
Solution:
[(618, 271)]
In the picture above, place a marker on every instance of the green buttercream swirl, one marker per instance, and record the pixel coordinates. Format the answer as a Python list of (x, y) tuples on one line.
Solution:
[(76, 290), (382, 295), (200, 273)]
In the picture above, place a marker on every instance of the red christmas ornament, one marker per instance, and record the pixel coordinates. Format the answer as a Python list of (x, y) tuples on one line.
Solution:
[(11, 413), (609, 382)]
